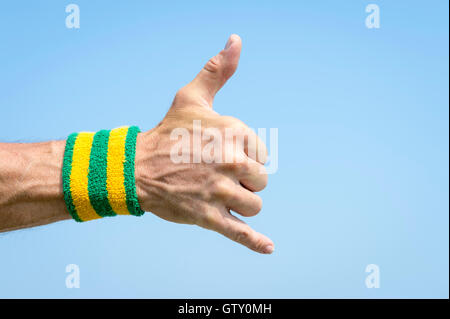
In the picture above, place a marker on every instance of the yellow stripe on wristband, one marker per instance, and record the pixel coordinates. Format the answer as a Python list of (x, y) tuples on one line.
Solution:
[(79, 177), (115, 180)]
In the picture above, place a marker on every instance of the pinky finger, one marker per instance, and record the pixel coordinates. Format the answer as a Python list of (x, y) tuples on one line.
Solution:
[(238, 231)]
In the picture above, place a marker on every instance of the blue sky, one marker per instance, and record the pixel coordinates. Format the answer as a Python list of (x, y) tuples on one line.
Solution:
[(362, 117)]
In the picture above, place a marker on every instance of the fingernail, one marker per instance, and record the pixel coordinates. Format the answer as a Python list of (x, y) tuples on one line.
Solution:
[(228, 43), (268, 249)]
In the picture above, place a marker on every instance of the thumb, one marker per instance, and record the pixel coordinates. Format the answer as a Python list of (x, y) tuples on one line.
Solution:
[(218, 70)]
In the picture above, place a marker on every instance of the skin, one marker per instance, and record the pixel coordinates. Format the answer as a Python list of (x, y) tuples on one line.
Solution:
[(190, 193)]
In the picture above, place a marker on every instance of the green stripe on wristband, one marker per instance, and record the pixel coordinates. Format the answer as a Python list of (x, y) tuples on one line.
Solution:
[(98, 194), (128, 170), (66, 171)]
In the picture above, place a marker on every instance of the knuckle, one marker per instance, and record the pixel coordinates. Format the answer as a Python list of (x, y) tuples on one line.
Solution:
[(220, 188), (264, 184), (242, 236), (262, 152), (227, 120), (264, 178), (258, 205), (241, 166), (237, 166), (259, 245), (234, 123), (205, 195), (262, 170), (213, 65), (182, 94), (208, 219), (255, 206)]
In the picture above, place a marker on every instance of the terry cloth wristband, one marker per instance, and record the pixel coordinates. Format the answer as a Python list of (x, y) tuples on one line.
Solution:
[(98, 174)]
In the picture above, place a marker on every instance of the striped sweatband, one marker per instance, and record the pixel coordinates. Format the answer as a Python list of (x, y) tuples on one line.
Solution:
[(98, 174)]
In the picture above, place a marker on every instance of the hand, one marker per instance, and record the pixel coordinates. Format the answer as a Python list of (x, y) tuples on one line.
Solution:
[(198, 192)]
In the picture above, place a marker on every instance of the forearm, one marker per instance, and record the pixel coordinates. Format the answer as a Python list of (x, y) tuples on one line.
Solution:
[(31, 184)]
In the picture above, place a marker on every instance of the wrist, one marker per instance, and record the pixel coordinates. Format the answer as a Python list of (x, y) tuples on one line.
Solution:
[(146, 168)]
